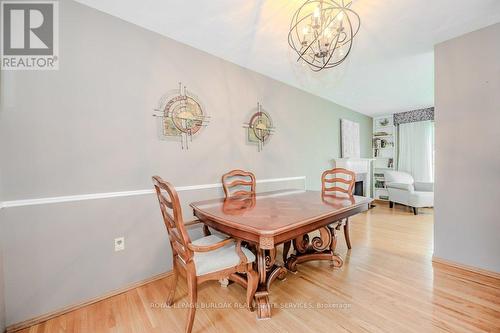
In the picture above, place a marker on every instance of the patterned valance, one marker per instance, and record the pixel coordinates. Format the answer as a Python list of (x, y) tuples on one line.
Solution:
[(413, 116)]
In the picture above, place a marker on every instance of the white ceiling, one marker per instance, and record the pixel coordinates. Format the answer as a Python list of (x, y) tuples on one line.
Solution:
[(391, 66)]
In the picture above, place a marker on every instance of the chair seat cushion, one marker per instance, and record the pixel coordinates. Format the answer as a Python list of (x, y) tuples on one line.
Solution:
[(401, 186), (220, 259), (424, 186), (421, 199)]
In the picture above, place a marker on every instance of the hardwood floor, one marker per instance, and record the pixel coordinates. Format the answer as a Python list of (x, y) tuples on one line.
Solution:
[(387, 284)]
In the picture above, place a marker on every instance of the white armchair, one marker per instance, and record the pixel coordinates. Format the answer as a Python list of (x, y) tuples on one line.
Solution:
[(404, 190)]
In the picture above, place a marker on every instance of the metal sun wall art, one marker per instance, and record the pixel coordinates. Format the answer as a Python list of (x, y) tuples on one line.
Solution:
[(260, 127), (322, 32), (181, 114)]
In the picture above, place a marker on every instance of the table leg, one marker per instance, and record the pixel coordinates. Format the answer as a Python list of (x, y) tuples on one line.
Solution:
[(262, 294), (286, 248), (319, 248), (268, 271)]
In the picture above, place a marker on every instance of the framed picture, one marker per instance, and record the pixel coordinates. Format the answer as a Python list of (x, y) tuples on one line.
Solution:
[(350, 138)]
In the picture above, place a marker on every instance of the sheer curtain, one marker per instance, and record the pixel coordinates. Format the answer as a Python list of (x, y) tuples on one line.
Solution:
[(416, 150)]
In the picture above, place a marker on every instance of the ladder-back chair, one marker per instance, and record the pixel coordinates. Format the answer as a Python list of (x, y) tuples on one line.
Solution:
[(238, 182), (338, 182), (209, 258)]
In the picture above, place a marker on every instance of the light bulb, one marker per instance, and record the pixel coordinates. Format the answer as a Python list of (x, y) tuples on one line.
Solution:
[(316, 12), (340, 16)]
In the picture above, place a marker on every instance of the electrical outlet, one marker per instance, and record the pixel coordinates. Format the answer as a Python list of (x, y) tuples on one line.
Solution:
[(119, 244)]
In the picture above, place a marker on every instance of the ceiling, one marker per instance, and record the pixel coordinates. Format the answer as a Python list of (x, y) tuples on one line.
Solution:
[(391, 66)]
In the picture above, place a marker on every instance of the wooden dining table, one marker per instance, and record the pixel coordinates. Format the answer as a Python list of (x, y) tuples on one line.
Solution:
[(268, 219)]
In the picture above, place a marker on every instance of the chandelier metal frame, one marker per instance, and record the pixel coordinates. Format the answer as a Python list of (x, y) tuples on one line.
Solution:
[(322, 32)]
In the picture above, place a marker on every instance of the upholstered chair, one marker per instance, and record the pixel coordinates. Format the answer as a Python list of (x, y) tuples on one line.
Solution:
[(209, 258), (404, 190)]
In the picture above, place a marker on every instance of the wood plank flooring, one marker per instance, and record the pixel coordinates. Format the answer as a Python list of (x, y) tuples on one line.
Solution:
[(387, 284)]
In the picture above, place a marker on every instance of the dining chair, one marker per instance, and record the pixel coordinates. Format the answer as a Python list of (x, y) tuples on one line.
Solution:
[(337, 187), (338, 182), (208, 258), (238, 182)]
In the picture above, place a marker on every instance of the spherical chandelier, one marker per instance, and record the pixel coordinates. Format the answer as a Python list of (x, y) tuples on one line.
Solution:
[(322, 31)]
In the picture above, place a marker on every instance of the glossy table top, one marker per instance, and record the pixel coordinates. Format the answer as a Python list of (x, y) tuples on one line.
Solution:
[(277, 211)]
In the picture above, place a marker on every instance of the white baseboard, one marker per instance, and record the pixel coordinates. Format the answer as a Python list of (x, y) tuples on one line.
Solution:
[(472, 269)]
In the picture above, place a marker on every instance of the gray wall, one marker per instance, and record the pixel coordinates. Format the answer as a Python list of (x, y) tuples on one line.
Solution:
[(2, 233), (88, 128), (2, 293), (467, 222)]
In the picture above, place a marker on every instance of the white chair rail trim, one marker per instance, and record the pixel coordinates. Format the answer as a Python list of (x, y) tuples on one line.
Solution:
[(106, 195)]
